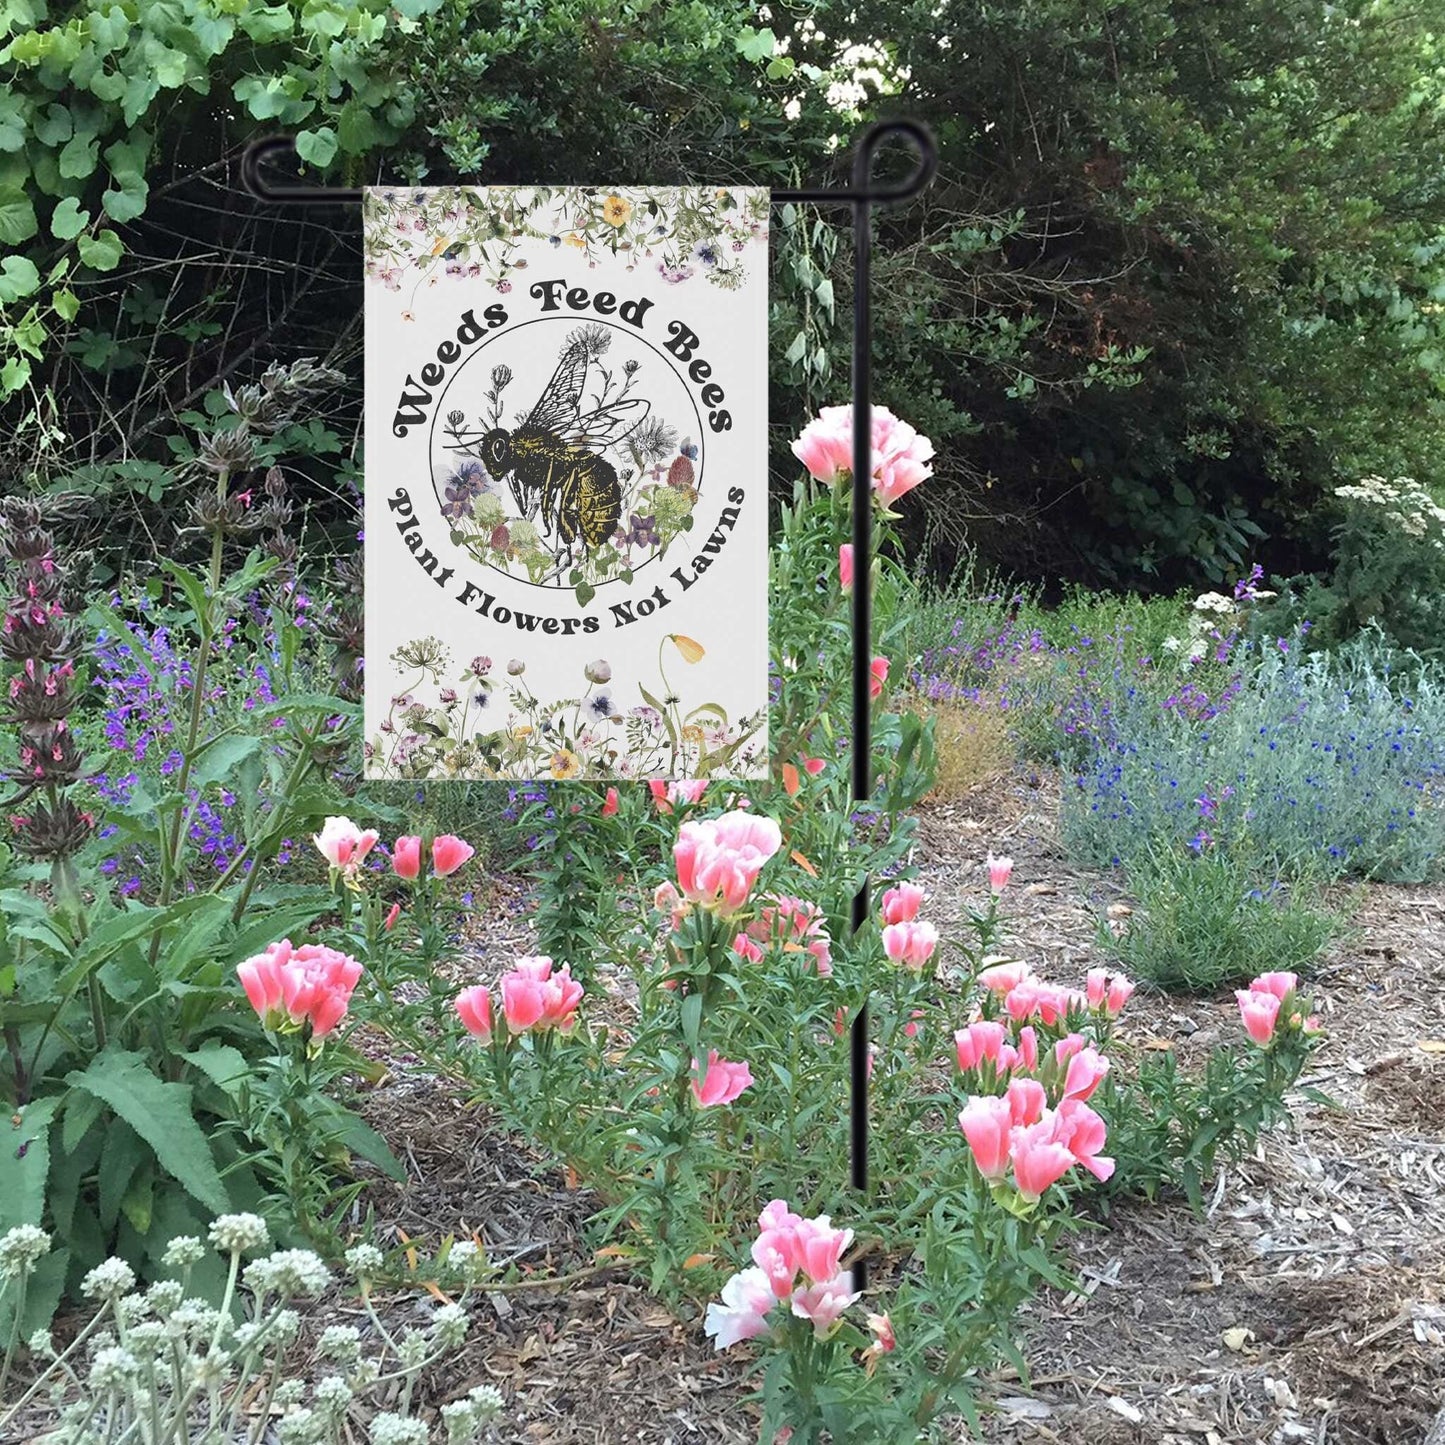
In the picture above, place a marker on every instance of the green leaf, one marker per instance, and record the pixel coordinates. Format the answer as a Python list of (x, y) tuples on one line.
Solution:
[(103, 252), (224, 1066), (25, 1150), (361, 1139), (266, 23), (216, 758), (161, 1114), (13, 375), (756, 44), (128, 202), (66, 304), (55, 127), (67, 220), (121, 1155), (18, 277), (316, 147), (17, 216), (79, 156)]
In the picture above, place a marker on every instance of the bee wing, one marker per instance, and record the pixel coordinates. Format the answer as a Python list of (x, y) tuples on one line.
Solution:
[(608, 425), (556, 409)]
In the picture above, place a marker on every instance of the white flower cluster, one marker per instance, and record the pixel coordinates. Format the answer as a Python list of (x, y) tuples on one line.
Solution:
[(157, 1363), (1407, 503)]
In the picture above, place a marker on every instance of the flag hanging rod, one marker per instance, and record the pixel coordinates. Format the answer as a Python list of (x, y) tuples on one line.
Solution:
[(862, 196)]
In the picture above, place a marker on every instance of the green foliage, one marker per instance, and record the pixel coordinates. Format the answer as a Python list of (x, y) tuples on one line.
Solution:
[(1204, 921)]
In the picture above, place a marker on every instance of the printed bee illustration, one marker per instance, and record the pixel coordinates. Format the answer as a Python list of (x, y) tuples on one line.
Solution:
[(553, 459)]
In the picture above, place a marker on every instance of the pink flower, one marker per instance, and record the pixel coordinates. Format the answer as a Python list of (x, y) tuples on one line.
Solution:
[(1028, 1048), (775, 1252), (910, 1029), (1083, 1133), (1109, 992), (777, 1215), (825, 447), (718, 860), (998, 873), (879, 668), (1003, 978), (798, 926), (666, 899), (1026, 1101), (474, 1007), (980, 1041), (824, 1304), (406, 857), (845, 568), (390, 921), (901, 904), (911, 944), (1259, 1012), (1038, 1159), (986, 1123), (813, 766), (900, 457), (721, 1083), (448, 853), (1281, 984), (289, 987), (746, 949), (746, 1299), (343, 844), (820, 1247), (1085, 1073), (881, 1328), (668, 795), (611, 803), (536, 996)]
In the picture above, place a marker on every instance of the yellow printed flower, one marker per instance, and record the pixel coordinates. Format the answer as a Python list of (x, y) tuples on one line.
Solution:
[(693, 734), (573, 239), (565, 764), (615, 211), (523, 730), (691, 651)]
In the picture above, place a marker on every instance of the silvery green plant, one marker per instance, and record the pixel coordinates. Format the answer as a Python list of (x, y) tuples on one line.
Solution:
[(160, 1366)]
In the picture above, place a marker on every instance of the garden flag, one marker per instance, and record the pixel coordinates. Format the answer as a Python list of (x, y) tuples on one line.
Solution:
[(566, 494)]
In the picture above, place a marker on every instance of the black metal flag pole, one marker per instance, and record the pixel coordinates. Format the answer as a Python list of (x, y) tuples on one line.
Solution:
[(861, 196)]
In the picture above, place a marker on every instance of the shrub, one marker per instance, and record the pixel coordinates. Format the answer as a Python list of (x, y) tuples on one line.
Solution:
[(1202, 923), (1320, 765)]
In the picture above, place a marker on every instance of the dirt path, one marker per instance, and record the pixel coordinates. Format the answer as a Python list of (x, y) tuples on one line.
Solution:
[(1308, 1304)]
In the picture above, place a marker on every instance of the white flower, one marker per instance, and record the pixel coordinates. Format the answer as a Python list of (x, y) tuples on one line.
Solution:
[(110, 1279), (164, 1295), (468, 1260), (365, 1261), (300, 1427), (41, 1344), (289, 1272), (183, 1251), (21, 1248), (340, 1342), (333, 1395), (390, 1429), (449, 1325), (112, 1367), (237, 1233), (488, 1402), (290, 1392)]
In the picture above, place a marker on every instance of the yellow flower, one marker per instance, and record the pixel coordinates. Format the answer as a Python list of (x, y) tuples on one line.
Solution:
[(692, 734), (615, 211), (691, 651), (573, 239), (522, 731), (565, 764)]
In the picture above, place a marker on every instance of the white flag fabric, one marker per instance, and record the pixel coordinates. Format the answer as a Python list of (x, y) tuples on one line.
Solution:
[(566, 482)]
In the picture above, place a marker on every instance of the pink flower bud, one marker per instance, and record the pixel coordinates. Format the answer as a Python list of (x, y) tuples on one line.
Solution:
[(474, 1008), (999, 870), (406, 857), (448, 854), (986, 1123)]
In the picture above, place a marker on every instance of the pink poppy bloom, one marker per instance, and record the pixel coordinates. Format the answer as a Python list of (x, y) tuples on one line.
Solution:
[(1083, 1133), (721, 1082), (343, 844), (289, 987), (718, 860), (820, 1247), (978, 1042), (1085, 1073), (797, 925), (666, 899), (881, 1328), (1259, 1012), (406, 857), (911, 944), (1026, 1101), (448, 853), (775, 1252), (536, 995), (845, 568), (746, 949), (999, 870), (824, 1304), (611, 803), (825, 446), (901, 903), (742, 1315), (474, 1008), (879, 668), (1028, 1048), (1038, 1159), (668, 796), (986, 1123), (1003, 978), (1281, 984)]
